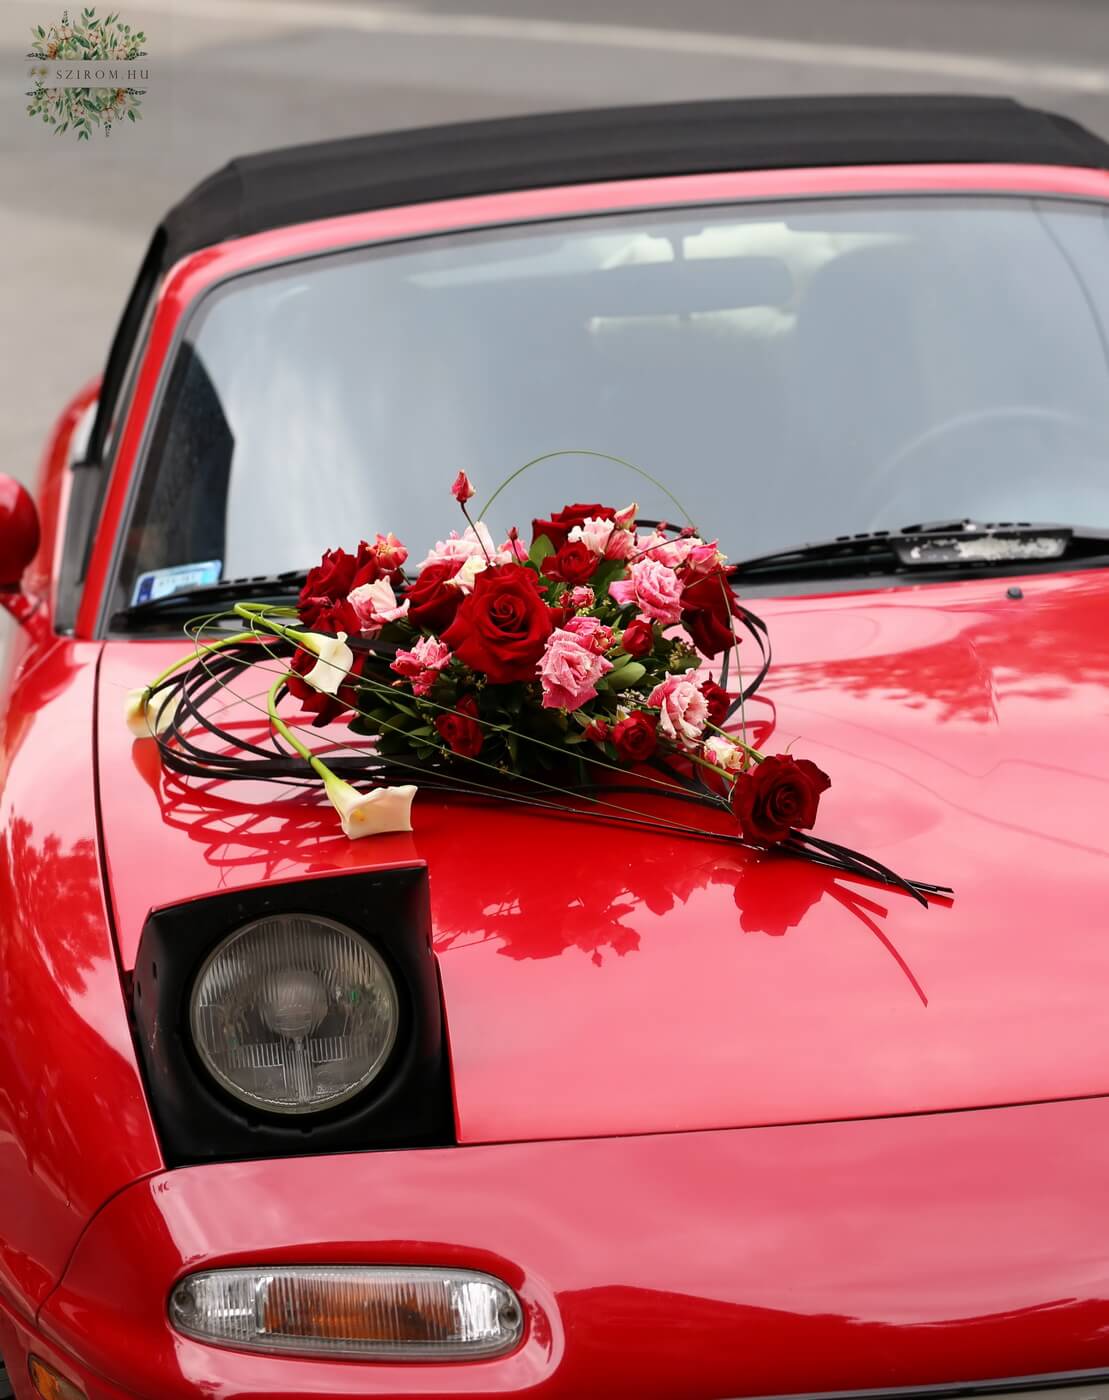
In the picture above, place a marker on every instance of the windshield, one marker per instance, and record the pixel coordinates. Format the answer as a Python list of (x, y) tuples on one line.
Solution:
[(791, 372)]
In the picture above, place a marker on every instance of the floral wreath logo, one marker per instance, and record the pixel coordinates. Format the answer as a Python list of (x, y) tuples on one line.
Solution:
[(92, 65)]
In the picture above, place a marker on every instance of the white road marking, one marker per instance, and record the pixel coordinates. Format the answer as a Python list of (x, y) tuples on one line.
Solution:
[(380, 19)]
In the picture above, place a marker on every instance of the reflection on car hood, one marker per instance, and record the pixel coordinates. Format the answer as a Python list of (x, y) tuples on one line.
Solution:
[(600, 980)]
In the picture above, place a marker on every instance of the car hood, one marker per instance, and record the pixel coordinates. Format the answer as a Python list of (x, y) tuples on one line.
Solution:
[(600, 980)]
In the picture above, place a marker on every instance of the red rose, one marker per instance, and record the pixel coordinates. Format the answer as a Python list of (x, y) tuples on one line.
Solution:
[(432, 600), (323, 602), (502, 627), (573, 563), (780, 793), (638, 638), (563, 521), (596, 731), (708, 606), (636, 737), (719, 702), (460, 730), (324, 708)]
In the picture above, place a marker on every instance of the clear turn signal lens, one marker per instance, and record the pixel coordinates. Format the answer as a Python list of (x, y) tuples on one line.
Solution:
[(379, 1313)]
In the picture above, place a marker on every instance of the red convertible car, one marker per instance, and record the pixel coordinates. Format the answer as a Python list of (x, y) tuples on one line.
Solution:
[(647, 1117)]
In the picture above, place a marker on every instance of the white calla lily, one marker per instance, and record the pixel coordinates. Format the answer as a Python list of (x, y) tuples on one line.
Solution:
[(146, 714), (134, 712), (333, 661), (371, 813)]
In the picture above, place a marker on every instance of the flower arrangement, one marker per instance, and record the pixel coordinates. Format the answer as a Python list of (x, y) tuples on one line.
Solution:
[(566, 672)]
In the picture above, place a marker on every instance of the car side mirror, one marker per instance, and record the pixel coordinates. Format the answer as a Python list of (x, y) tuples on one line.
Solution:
[(19, 542)]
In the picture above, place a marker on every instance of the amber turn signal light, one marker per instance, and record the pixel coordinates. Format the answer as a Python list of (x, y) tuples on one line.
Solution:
[(50, 1384), (406, 1314)]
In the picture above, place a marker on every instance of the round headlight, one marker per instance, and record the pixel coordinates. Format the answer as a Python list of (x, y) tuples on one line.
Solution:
[(294, 1014)]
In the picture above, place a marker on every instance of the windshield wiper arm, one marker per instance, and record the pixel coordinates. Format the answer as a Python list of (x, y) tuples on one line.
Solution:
[(949, 544), (276, 587)]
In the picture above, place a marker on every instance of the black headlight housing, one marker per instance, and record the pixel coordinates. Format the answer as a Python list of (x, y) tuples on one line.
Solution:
[(408, 1104)]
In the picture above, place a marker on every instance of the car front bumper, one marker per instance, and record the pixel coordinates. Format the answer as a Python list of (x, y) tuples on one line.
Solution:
[(918, 1251)]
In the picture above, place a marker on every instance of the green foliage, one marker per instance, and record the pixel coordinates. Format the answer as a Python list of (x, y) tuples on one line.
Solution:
[(625, 676), (540, 550)]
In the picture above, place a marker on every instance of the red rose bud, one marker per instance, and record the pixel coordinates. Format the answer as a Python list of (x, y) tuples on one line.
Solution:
[(460, 730), (563, 521), (777, 795), (432, 599), (463, 489), (573, 563), (636, 737), (502, 626), (638, 638), (719, 702), (596, 731), (708, 607)]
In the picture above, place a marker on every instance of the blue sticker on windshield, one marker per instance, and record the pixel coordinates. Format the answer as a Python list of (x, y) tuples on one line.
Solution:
[(160, 583)]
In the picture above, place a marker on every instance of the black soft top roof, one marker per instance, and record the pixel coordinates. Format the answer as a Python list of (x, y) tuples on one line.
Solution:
[(298, 183)]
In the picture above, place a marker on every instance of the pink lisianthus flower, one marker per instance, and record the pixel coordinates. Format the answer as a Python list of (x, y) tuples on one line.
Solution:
[(423, 663), (604, 538), (390, 553), (475, 542), (469, 570), (376, 604), (683, 710), (705, 558), (724, 754), (569, 671), (581, 596), (590, 631), (654, 588), (686, 549)]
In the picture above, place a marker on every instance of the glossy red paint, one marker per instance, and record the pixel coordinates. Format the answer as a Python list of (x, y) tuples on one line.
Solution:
[(67, 1065), (195, 274), (19, 532), (581, 964), (772, 1261)]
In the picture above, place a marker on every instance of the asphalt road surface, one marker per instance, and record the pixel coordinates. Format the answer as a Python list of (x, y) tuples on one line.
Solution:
[(231, 76)]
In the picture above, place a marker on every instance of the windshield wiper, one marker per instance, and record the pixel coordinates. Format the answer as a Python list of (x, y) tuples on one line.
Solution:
[(948, 545), (276, 588)]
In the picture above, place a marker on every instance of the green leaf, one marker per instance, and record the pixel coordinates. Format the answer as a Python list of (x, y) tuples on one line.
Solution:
[(130, 116), (379, 714), (607, 571), (540, 550), (624, 676)]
